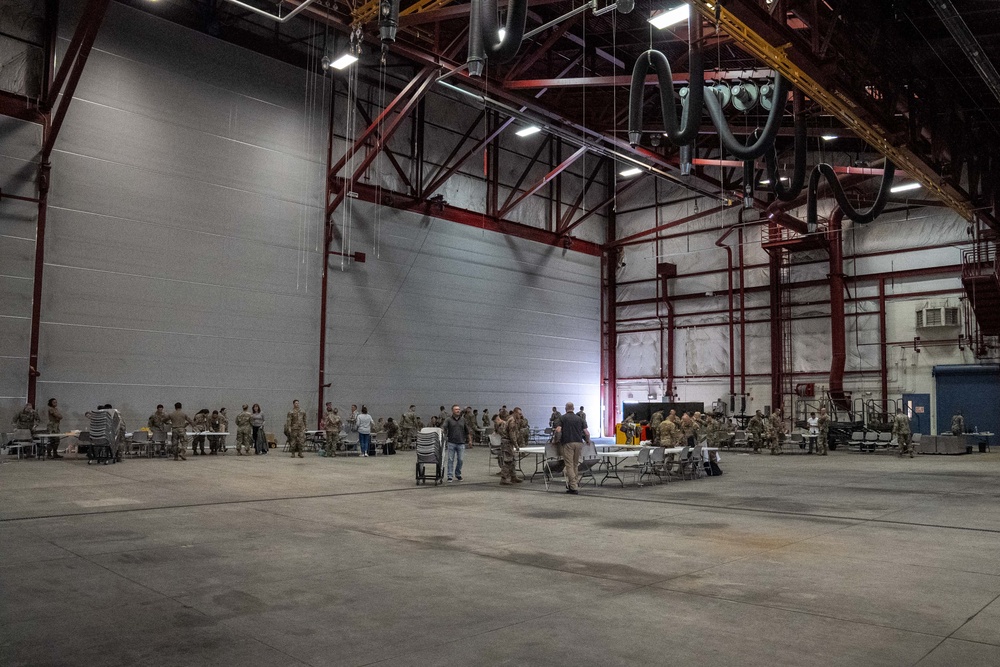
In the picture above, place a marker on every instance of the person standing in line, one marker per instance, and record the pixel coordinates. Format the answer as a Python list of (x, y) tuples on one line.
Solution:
[(813, 423), (777, 432), (55, 418), (365, 423), (200, 425), (572, 433), (244, 427), (901, 429), (456, 435), (224, 425), (352, 420), (215, 426), (179, 421), (628, 428), (407, 428), (157, 424), (470, 421), (295, 429), (755, 427), (957, 424), (508, 453), (823, 426), (332, 425), (257, 422)]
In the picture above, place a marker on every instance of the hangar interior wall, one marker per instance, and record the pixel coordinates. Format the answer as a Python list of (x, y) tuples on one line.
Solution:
[(919, 239), (183, 254)]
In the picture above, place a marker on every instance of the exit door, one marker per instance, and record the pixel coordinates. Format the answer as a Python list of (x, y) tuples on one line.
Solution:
[(918, 408)]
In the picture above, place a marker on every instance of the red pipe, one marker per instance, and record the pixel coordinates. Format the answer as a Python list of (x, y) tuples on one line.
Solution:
[(838, 334), (775, 320), (729, 277), (883, 351), (327, 239), (743, 320)]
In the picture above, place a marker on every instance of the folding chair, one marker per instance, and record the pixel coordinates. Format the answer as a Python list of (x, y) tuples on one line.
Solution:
[(553, 464), (857, 439), (139, 444), (353, 441), (658, 463), (495, 442), (430, 451), (884, 440), (20, 440), (589, 459), (643, 466)]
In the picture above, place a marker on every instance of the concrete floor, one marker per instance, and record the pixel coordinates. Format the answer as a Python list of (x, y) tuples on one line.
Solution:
[(795, 560)]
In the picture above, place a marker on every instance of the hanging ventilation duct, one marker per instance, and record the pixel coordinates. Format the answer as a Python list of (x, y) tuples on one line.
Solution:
[(856, 216), (798, 181), (485, 39), (388, 20)]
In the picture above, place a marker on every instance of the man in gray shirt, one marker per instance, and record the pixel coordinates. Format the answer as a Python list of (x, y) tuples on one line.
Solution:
[(571, 432), (456, 434)]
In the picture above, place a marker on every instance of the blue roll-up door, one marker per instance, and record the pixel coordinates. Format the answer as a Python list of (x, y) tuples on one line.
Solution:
[(973, 390)]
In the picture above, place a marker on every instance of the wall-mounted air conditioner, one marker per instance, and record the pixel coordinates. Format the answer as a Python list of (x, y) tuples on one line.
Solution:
[(938, 316)]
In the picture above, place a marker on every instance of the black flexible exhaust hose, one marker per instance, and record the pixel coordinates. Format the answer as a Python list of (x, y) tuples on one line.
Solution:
[(517, 15), (771, 127), (799, 169), (680, 134), (858, 217)]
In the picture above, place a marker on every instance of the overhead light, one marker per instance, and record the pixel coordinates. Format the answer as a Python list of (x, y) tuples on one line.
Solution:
[(630, 172), (905, 186), (502, 33), (767, 181), (343, 61), (828, 137), (528, 131), (671, 17)]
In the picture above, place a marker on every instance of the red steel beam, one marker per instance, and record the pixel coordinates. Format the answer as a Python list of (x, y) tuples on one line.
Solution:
[(426, 78), (419, 81), (524, 172), (388, 152), (607, 202), (439, 181), (444, 211), (559, 168), (563, 221), (632, 239)]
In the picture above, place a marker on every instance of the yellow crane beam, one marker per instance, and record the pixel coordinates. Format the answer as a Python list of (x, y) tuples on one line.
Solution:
[(837, 104)]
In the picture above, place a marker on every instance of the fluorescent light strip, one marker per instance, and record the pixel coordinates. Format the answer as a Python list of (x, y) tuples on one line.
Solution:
[(905, 187), (343, 61), (828, 137), (671, 17), (634, 171), (528, 131)]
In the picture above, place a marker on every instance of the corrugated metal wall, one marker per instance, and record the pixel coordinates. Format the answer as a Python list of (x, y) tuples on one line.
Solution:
[(183, 257)]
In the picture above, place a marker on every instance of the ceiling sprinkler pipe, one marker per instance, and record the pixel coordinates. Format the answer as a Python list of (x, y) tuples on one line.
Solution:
[(388, 20), (794, 187), (856, 216)]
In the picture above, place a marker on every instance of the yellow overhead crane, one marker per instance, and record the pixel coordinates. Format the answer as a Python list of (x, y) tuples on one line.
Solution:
[(844, 109), (369, 10)]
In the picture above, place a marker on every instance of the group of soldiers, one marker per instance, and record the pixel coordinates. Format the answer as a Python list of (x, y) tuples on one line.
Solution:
[(674, 431)]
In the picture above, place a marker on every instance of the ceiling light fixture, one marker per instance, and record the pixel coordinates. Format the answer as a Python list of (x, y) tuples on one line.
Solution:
[(634, 171), (906, 186), (671, 17), (502, 33), (528, 131), (343, 61), (828, 137)]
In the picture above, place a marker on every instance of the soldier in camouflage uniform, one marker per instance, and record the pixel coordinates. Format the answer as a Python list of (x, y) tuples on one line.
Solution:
[(407, 428), (822, 438), (224, 420), (628, 428), (776, 432), (243, 430), (755, 428), (332, 425), (901, 429), (508, 451), (654, 426), (27, 418), (487, 420), (179, 421), (157, 424), (687, 430), (957, 424), (517, 428), (471, 424), (200, 425), (295, 429), (504, 415)]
